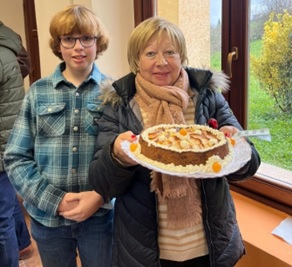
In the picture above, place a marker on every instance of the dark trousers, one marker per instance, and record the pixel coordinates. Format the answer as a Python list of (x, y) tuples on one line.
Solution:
[(14, 234), (197, 262)]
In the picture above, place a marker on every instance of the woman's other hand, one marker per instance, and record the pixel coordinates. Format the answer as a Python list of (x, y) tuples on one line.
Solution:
[(119, 154), (229, 131)]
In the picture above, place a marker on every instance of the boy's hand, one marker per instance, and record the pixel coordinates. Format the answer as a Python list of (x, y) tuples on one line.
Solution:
[(83, 204)]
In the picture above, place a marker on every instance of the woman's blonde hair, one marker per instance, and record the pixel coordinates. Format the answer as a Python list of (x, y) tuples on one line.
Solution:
[(144, 32), (77, 19)]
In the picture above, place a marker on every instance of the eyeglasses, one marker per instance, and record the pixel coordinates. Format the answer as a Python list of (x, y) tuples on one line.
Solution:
[(69, 41)]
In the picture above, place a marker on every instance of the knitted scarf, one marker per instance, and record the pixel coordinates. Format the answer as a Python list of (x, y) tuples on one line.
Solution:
[(166, 105)]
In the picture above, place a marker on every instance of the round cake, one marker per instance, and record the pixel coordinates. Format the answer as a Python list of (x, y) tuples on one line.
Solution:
[(197, 147)]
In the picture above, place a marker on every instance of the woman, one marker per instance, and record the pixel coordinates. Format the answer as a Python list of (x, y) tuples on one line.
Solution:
[(161, 89), (52, 144)]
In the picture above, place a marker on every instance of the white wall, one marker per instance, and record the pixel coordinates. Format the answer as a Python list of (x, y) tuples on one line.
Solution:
[(112, 14), (117, 16), (11, 14), (193, 18)]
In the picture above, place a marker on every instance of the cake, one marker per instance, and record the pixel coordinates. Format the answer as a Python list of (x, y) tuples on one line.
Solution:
[(185, 148)]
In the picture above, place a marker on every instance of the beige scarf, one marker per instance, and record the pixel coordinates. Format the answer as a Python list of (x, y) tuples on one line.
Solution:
[(166, 105)]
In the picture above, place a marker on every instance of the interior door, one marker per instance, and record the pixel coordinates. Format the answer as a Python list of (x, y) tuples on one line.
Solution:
[(32, 43)]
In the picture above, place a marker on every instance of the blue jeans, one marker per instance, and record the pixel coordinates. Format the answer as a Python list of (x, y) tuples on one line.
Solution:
[(14, 234), (92, 239)]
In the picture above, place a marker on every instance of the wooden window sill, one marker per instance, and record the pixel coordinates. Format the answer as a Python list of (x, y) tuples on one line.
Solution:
[(271, 185), (256, 222)]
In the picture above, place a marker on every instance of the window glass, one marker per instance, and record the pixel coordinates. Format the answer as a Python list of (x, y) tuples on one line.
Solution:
[(215, 33), (270, 84)]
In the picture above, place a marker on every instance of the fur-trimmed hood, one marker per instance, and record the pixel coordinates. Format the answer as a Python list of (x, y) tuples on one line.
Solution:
[(220, 81), (115, 92)]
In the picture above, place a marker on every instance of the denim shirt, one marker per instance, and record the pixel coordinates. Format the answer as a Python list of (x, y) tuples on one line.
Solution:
[(53, 142)]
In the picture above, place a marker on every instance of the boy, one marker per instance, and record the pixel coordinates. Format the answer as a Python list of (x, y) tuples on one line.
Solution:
[(52, 144)]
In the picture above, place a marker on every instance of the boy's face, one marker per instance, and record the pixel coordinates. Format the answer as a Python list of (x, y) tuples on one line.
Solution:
[(78, 54)]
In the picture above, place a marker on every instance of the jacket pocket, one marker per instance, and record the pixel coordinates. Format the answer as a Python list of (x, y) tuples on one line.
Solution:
[(93, 113), (51, 119)]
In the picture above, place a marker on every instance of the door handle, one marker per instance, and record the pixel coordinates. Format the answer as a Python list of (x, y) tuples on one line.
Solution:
[(232, 56)]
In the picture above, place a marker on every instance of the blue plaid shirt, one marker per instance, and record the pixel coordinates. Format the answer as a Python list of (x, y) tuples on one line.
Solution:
[(53, 142)]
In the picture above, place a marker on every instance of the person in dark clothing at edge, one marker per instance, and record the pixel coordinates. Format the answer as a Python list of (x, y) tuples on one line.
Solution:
[(15, 240), (161, 89)]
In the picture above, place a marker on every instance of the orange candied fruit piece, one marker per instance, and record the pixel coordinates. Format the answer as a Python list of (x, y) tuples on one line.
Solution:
[(133, 147), (216, 167), (183, 132), (233, 142)]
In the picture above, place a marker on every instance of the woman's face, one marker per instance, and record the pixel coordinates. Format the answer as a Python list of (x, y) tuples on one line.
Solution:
[(159, 61)]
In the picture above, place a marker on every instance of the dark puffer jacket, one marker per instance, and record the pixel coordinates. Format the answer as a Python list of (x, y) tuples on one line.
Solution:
[(11, 84), (136, 228)]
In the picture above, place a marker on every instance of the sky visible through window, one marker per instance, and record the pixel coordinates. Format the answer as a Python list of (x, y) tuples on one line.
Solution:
[(216, 7)]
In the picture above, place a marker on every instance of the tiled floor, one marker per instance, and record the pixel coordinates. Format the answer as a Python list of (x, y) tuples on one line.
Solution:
[(34, 261)]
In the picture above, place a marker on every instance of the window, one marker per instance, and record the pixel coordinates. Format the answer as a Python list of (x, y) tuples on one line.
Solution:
[(225, 26), (272, 184)]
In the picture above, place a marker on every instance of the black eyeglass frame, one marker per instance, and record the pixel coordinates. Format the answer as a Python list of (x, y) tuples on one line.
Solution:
[(80, 40)]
